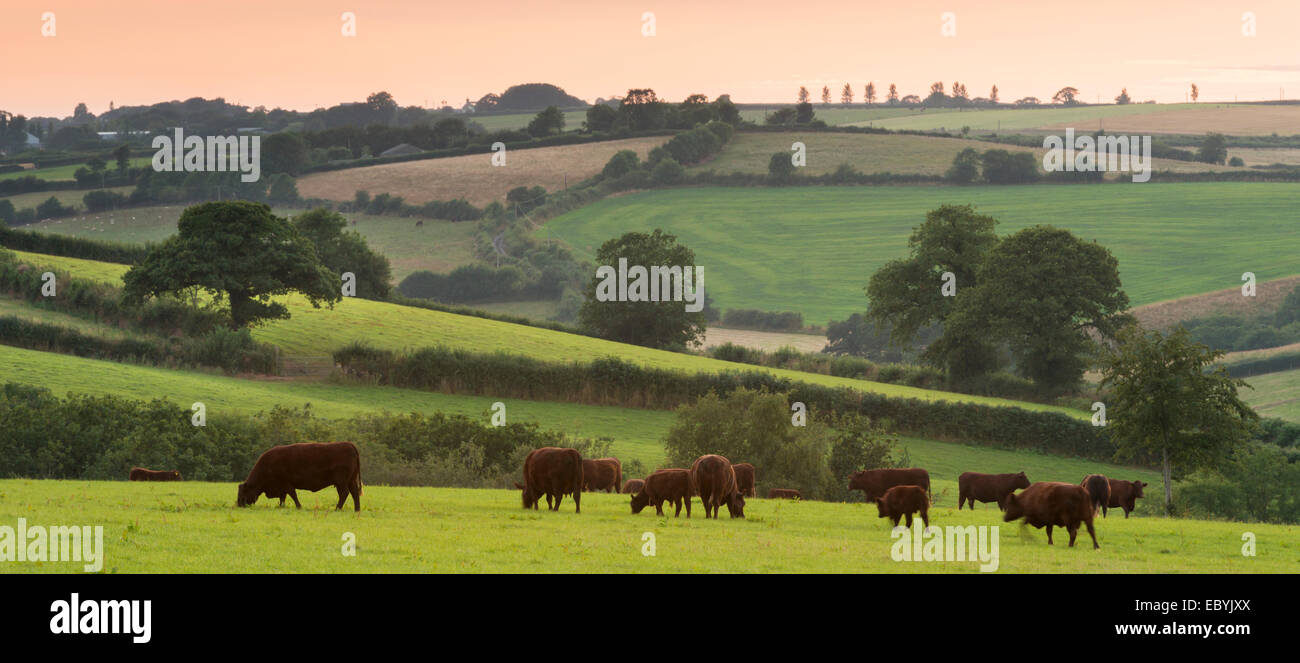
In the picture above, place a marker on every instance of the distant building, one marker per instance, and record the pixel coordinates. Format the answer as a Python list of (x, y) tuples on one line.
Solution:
[(400, 149), (32, 141), (468, 107)]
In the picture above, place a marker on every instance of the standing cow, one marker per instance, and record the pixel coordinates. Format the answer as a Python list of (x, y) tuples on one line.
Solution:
[(602, 474), (554, 472), (1098, 487), (1053, 503), (874, 483), (745, 475), (975, 487), (310, 466), (671, 485), (633, 486), (1124, 494), (142, 474), (902, 501), (715, 481)]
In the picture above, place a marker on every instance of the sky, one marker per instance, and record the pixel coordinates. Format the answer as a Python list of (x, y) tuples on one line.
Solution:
[(293, 53)]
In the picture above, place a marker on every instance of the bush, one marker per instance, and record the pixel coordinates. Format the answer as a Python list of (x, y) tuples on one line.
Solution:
[(101, 200), (667, 172), (965, 167), (622, 163), (1003, 167), (764, 320), (53, 209)]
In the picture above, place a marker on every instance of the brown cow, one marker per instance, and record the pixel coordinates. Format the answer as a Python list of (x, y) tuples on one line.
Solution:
[(902, 501), (633, 486), (281, 470), (554, 472), (715, 482), (602, 474), (671, 485), (973, 487), (744, 478), (874, 483), (141, 474), (1124, 494), (1053, 503), (1098, 487), (783, 494)]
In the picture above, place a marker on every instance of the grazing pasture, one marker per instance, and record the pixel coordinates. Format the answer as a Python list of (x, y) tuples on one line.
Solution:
[(319, 332), (65, 196), (66, 172), (1274, 395), (193, 527), (473, 176), (1171, 239), (1232, 119)]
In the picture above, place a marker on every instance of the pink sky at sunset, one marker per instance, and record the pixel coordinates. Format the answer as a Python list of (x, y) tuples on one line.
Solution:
[(290, 53)]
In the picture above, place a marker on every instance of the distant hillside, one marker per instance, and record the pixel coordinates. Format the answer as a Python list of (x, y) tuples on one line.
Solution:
[(536, 96)]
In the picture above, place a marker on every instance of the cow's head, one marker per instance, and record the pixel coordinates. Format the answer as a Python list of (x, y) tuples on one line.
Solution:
[(528, 499), (247, 495), (640, 501), (880, 507), (855, 481), (1013, 510), (1021, 481), (176, 475), (736, 505), (1137, 488)]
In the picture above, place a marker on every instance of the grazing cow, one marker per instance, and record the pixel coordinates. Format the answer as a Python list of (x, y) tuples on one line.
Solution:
[(633, 486), (671, 485), (874, 483), (1124, 494), (602, 474), (902, 501), (744, 478), (281, 470), (973, 487), (1053, 503), (554, 472), (141, 474), (715, 481), (419, 224), (783, 494), (1098, 487)]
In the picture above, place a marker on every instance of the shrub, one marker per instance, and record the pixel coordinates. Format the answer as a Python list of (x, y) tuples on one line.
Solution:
[(965, 167), (622, 163), (667, 172), (1003, 167), (102, 199)]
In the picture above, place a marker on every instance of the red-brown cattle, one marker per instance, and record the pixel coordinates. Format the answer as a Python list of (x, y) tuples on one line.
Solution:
[(744, 478), (783, 494), (874, 483), (902, 501), (602, 474), (715, 482), (282, 470), (633, 486), (1053, 503), (1124, 494), (553, 472), (671, 485), (1098, 487), (141, 474), (975, 487)]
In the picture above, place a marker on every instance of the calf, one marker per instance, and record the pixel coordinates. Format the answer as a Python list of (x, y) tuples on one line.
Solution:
[(1053, 503), (1124, 494), (141, 474), (783, 494), (744, 478), (874, 483), (1098, 487), (310, 466), (602, 474), (671, 485), (554, 472), (902, 501), (633, 486), (715, 481), (975, 487)]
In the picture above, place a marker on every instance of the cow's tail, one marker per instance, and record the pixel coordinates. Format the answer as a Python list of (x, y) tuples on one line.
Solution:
[(618, 477), (356, 474)]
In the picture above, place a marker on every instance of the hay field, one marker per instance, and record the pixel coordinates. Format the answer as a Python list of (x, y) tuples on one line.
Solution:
[(473, 176)]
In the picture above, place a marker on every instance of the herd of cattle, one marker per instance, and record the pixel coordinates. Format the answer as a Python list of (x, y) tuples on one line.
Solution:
[(554, 472)]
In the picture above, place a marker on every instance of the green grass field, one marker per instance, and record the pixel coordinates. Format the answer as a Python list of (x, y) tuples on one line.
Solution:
[(836, 115), (194, 527), (757, 244), (1274, 395), (66, 172), (318, 332), (67, 197), (573, 119), (440, 246), (1012, 119)]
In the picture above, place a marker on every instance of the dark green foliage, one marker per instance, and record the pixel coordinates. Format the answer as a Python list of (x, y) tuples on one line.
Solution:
[(478, 284), (622, 163), (1214, 149), (1260, 483), (102, 200), (53, 209), (1003, 167), (965, 167), (765, 320), (667, 172), (72, 247), (549, 121), (780, 168), (662, 324), (343, 250)]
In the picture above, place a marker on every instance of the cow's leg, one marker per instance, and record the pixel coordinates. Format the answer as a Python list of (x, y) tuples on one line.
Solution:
[(896, 519), (294, 495), (343, 496), (1074, 531), (687, 499), (577, 502), (1126, 510), (355, 490), (961, 501), (659, 508), (909, 520), (559, 497), (925, 518), (677, 502), (282, 500), (1049, 535), (1093, 533)]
